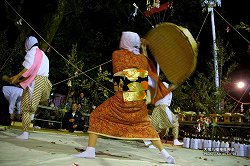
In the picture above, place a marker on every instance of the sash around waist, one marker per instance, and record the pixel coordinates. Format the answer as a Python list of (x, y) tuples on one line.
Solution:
[(133, 83)]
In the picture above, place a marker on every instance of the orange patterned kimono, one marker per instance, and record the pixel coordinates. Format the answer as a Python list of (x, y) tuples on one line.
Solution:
[(119, 118)]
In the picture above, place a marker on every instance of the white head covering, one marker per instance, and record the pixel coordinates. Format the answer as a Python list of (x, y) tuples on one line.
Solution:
[(130, 41), (30, 41)]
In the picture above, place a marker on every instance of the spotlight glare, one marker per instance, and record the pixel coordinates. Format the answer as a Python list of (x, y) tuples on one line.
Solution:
[(240, 84)]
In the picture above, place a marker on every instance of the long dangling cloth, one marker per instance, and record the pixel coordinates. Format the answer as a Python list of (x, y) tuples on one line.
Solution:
[(31, 73), (160, 91)]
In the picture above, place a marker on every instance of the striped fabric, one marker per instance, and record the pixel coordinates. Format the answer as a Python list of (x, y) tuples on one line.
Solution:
[(41, 93), (160, 121)]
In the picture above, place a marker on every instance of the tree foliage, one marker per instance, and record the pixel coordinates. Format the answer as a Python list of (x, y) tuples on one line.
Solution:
[(96, 89), (200, 94), (86, 32)]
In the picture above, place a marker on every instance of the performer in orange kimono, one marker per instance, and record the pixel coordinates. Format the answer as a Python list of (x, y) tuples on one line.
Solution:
[(125, 115)]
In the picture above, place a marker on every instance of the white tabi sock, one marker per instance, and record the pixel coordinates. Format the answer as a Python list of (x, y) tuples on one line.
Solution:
[(169, 159), (177, 143), (147, 142), (152, 147), (24, 136), (88, 153)]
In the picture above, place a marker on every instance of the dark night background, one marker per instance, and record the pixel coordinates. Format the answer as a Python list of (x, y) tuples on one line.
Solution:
[(96, 27)]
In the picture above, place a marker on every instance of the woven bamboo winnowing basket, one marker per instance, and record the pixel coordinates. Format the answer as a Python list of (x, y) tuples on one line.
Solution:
[(175, 50)]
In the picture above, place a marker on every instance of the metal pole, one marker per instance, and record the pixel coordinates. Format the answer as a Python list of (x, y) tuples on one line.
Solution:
[(216, 70)]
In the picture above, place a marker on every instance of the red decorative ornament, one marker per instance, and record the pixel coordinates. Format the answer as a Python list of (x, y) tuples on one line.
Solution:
[(152, 10)]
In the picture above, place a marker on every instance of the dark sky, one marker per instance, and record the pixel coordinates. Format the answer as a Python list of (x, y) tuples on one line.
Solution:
[(236, 12)]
